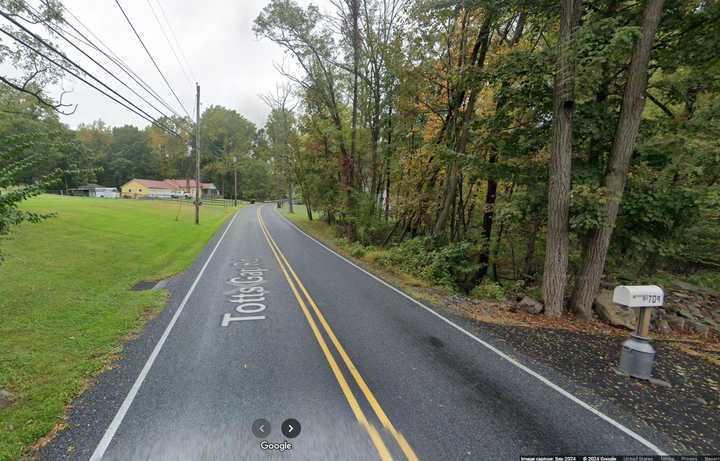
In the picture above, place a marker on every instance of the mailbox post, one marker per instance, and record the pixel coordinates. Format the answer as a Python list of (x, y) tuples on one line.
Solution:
[(638, 355)]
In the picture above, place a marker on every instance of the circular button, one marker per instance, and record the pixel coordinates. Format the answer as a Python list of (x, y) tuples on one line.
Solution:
[(261, 428), (290, 428)]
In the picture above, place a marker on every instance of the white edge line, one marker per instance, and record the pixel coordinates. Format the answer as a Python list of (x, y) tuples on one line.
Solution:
[(120, 415), (531, 372)]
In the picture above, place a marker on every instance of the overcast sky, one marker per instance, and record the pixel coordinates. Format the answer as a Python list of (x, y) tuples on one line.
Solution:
[(232, 66)]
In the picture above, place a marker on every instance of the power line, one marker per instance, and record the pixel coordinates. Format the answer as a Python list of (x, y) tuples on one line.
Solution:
[(151, 57), (135, 109), (115, 59), (172, 48), (177, 42), (77, 66), (59, 33)]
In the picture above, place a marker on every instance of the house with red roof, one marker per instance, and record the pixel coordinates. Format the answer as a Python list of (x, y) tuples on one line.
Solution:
[(168, 188)]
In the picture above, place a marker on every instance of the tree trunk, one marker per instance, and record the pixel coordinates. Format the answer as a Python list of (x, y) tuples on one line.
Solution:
[(387, 164), (556, 252), (448, 199), (488, 217), (349, 173), (595, 251), (355, 4), (309, 210), (491, 195), (529, 263), (290, 198), (478, 62)]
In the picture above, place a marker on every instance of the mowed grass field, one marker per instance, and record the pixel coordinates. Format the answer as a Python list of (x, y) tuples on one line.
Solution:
[(65, 304)]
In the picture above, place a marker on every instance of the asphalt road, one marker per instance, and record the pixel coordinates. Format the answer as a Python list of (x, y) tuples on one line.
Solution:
[(270, 324)]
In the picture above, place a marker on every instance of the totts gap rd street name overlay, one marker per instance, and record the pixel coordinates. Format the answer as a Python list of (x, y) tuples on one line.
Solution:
[(247, 296)]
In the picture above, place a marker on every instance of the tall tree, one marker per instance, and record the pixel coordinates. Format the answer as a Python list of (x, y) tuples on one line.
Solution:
[(461, 112), (557, 247), (280, 130), (596, 247), (304, 36)]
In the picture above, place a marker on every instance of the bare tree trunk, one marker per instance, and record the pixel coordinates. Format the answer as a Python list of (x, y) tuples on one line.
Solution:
[(595, 251), (556, 252)]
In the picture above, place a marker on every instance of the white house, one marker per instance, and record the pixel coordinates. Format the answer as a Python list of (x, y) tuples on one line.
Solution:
[(94, 190)]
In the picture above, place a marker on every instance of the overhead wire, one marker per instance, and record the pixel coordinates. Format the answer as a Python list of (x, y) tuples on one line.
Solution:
[(177, 42), (35, 14), (172, 48), (114, 58), (152, 58), (127, 104)]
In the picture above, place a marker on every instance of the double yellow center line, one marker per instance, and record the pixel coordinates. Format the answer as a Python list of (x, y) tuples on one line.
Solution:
[(294, 283)]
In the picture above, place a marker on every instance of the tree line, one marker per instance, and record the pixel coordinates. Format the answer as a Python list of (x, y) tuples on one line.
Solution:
[(111, 156), (547, 144)]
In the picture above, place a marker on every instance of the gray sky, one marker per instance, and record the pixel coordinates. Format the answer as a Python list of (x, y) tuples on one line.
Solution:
[(232, 66)]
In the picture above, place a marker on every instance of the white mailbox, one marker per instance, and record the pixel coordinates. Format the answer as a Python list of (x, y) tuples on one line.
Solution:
[(638, 296)]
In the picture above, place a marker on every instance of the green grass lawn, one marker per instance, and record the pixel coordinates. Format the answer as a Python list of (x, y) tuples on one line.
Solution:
[(64, 300)]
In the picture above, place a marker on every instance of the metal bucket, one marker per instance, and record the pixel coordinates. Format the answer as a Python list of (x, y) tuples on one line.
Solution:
[(637, 357)]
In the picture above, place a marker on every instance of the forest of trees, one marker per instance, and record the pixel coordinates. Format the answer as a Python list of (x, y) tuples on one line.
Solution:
[(543, 144)]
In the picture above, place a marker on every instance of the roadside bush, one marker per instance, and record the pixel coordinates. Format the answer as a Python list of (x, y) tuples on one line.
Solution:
[(447, 265), (489, 290), (371, 228), (374, 232), (357, 249)]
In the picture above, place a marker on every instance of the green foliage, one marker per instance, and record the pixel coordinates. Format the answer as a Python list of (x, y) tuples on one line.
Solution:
[(435, 93), (356, 249), (587, 208), (130, 157), (655, 215), (706, 279), (602, 46), (448, 265), (489, 290), (16, 157), (371, 228)]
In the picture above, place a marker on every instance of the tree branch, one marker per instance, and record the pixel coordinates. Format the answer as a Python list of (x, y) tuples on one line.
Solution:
[(58, 107), (660, 105)]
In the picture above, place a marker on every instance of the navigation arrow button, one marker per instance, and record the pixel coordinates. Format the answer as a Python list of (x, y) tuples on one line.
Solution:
[(261, 428), (291, 428)]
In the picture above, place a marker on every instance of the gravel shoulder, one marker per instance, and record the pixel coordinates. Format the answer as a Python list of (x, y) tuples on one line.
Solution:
[(688, 411)]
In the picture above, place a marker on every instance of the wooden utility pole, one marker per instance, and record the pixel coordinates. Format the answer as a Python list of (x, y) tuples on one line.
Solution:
[(197, 154)]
